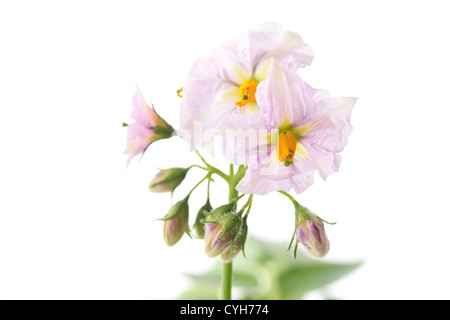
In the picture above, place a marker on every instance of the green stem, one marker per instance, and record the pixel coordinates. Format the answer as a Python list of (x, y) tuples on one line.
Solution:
[(232, 192), (227, 268), (227, 274), (192, 190), (197, 166), (288, 195), (213, 169), (247, 204)]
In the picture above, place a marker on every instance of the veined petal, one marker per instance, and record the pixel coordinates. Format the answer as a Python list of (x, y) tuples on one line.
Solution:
[(141, 112), (264, 41), (332, 125), (322, 125), (245, 139), (282, 97), (202, 105), (277, 177), (138, 139)]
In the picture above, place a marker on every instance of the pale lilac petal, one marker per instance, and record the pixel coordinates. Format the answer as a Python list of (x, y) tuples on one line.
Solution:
[(244, 139), (138, 138), (141, 112), (333, 124), (277, 177), (204, 107), (255, 182), (201, 109), (265, 41), (284, 95), (330, 136)]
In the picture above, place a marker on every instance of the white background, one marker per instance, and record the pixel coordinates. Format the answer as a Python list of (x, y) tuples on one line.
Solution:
[(75, 224)]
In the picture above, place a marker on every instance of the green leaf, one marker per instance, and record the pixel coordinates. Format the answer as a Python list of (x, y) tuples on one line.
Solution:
[(299, 279)]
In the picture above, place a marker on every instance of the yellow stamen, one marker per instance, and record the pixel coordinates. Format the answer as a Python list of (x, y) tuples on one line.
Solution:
[(179, 91), (287, 146), (247, 92)]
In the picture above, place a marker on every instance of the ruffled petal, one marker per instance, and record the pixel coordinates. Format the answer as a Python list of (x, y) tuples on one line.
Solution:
[(244, 139), (331, 125), (201, 107), (328, 126), (276, 177), (283, 96), (265, 41), (329, 137)]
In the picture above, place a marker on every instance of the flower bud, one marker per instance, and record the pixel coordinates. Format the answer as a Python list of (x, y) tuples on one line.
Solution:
[(168, 180), (235, 246), (213, 244), (173, 230), (226, 237), (176, 222), (199, 225), (313, 237)]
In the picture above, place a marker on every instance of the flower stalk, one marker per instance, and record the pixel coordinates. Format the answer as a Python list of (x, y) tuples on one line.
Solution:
[(227, 267)]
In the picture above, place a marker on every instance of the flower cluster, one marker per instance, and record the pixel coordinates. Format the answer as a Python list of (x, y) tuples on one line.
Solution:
[(277, 128)]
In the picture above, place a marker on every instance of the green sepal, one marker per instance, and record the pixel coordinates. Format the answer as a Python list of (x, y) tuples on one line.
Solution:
[(228, 223), (292, 239), (199, 225), (179, 208), (176, 175), (245, 230), (330, 223), (215, 215), (295, 250)]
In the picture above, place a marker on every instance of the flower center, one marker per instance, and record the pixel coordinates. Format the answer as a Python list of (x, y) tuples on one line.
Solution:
[(287, 145), (247, 92)]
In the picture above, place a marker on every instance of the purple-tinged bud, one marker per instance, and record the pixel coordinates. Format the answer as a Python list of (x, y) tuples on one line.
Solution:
[(225, 236), (173, 230), (313, 237), (176, 222), (168, 180), (213, 244), (235, 245)]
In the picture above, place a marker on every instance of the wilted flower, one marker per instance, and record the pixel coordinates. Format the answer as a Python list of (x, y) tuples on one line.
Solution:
[(168, 180), (176, 222), (147, 128), (227, 83)]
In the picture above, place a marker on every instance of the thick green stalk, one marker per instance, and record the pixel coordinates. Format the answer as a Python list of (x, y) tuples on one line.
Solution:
[(227, 274), (227, 268)]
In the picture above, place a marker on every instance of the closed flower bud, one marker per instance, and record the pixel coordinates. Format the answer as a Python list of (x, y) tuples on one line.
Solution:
[(168, 180), (226, 237), (176, 222), (313, 237), (235, 246), (199, 225), (173, 230), (213, 244)]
